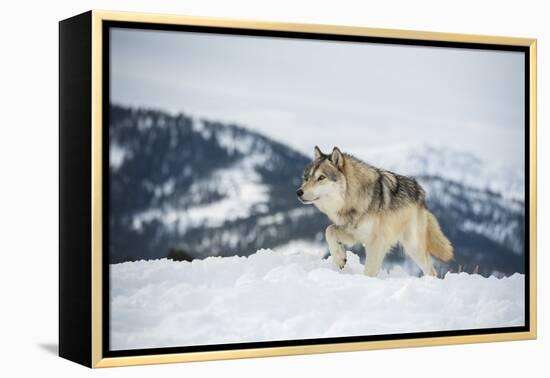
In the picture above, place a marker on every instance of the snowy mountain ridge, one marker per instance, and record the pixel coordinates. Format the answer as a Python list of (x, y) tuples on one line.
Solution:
[(457, 165), (217, 189), (243, 192)]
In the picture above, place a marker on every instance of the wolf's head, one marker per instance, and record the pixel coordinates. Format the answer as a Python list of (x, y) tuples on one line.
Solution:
[(323, 180)]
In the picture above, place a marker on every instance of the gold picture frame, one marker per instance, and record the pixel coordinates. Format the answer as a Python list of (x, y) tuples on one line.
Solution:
[(79, 274)]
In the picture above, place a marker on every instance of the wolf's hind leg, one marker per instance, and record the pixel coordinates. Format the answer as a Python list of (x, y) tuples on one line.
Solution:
[(424, 261), (336, 239), (417, 251)]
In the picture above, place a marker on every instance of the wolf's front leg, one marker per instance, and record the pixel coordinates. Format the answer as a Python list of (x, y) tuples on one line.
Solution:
[(376, 251), (336, 238)]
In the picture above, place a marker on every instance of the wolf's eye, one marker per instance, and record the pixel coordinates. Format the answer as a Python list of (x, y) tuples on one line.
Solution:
[(321, 177)]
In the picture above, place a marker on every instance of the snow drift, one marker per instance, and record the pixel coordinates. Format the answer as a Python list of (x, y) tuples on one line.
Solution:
[(272, 295)]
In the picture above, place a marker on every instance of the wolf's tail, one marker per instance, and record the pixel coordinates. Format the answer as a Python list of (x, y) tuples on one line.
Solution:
[(438, 244)]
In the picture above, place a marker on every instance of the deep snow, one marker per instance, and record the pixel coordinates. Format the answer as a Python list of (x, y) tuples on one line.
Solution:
[(280, 295)]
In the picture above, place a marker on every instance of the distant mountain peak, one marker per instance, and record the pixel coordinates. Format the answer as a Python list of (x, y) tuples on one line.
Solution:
[(451, 163), (210, 188)]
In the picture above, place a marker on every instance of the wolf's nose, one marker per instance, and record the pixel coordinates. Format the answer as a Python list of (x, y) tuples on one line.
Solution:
[(299, 192)]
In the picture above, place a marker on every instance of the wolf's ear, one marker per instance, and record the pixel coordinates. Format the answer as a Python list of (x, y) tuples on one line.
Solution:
[(337, 158), (317, 152)]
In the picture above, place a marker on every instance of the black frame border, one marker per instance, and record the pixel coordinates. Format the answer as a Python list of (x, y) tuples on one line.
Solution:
[(107, 25), (75, 181)]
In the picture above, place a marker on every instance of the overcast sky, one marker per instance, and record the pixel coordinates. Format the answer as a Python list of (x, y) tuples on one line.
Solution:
[(305, 92)]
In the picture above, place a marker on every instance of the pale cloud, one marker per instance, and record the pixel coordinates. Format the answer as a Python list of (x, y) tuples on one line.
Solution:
[(305, 92)]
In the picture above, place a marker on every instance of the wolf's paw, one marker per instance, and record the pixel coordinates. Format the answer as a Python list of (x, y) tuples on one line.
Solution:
[(340, 262)]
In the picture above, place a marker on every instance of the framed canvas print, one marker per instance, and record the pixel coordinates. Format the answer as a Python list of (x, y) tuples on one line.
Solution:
[(236, 189)]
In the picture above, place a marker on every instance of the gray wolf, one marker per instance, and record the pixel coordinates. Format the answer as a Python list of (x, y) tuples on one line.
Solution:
[(372, 207)]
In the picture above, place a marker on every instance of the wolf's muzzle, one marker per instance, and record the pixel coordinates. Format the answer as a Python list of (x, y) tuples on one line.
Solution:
[(300, 193)]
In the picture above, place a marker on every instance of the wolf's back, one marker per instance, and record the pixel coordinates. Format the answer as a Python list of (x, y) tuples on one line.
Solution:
[(438, 244)]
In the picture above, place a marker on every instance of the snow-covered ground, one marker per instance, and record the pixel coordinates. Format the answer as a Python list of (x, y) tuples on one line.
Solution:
[(279, 296)]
